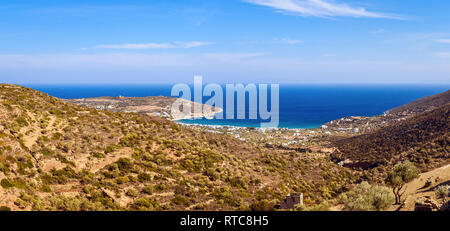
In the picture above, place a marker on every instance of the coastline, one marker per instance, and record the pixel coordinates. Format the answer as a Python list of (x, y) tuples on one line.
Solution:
[(212, 112), (318, 107), (241, 125), (198, 116)]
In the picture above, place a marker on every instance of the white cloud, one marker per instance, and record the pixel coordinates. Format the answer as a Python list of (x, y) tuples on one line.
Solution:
[(443, 55), (118, 60), (225, 57), (288, 41), (416, 37), (379, 31), (442, 40), (217, 67), (320, 8), (155, 45)]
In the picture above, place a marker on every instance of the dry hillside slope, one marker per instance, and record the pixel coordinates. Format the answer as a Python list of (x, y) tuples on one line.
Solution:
[(423, 139), (58, 156), (423, 104)]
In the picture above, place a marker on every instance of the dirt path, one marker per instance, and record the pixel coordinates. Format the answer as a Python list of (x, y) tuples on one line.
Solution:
[(416, 189)]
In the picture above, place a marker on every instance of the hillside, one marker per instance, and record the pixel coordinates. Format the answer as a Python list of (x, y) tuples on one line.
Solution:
[(55, 155), (362, 125), (423, 139), (422, 104)]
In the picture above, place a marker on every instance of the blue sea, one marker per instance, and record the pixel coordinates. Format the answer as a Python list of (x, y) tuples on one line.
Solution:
[(301, 106)]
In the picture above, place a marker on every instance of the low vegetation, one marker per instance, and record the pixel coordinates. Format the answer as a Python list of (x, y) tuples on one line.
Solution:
[(365, 197), (58, 156)]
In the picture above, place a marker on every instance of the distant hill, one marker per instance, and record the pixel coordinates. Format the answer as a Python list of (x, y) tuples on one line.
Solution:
[(363, 125), (55, 155), (423, 104), (423, 139), (152, 105)]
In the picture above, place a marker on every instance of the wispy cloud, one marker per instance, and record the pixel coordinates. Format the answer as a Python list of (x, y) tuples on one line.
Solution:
[(231, 56), (288, 41), (321, 8), (120, 60), (443, 55), (416, 37), (379, 31), (442, 40), (138, 46), (218, 67)]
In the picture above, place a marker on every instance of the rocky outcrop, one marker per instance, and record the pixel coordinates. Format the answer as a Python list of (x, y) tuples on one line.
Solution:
[(426, 204)]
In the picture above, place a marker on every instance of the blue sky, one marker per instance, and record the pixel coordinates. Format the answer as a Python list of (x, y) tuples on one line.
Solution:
[(226, 41)]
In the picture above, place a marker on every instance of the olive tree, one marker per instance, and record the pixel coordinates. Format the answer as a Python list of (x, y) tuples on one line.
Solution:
[(365, 197), (401, 174)]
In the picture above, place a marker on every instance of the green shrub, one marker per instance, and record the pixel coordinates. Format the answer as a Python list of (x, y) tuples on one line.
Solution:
[(145, 204), (238, 182), (366, 197), (132, 192), (21, 121), (130, 140), (19, 183), (122, 180), (47, 151), (180, 200), (148, 189), (4, 168), (442, 191), (262, 205), (124, 164), (56, 112), (160, 187), (98, 155), (5, 183), (7, 104), (5, 208), (143, 177), (109, 149), (43, 139), (46, 188), (226, 196), (212, 174), (56, 136), (324, 206), (74, 204)]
